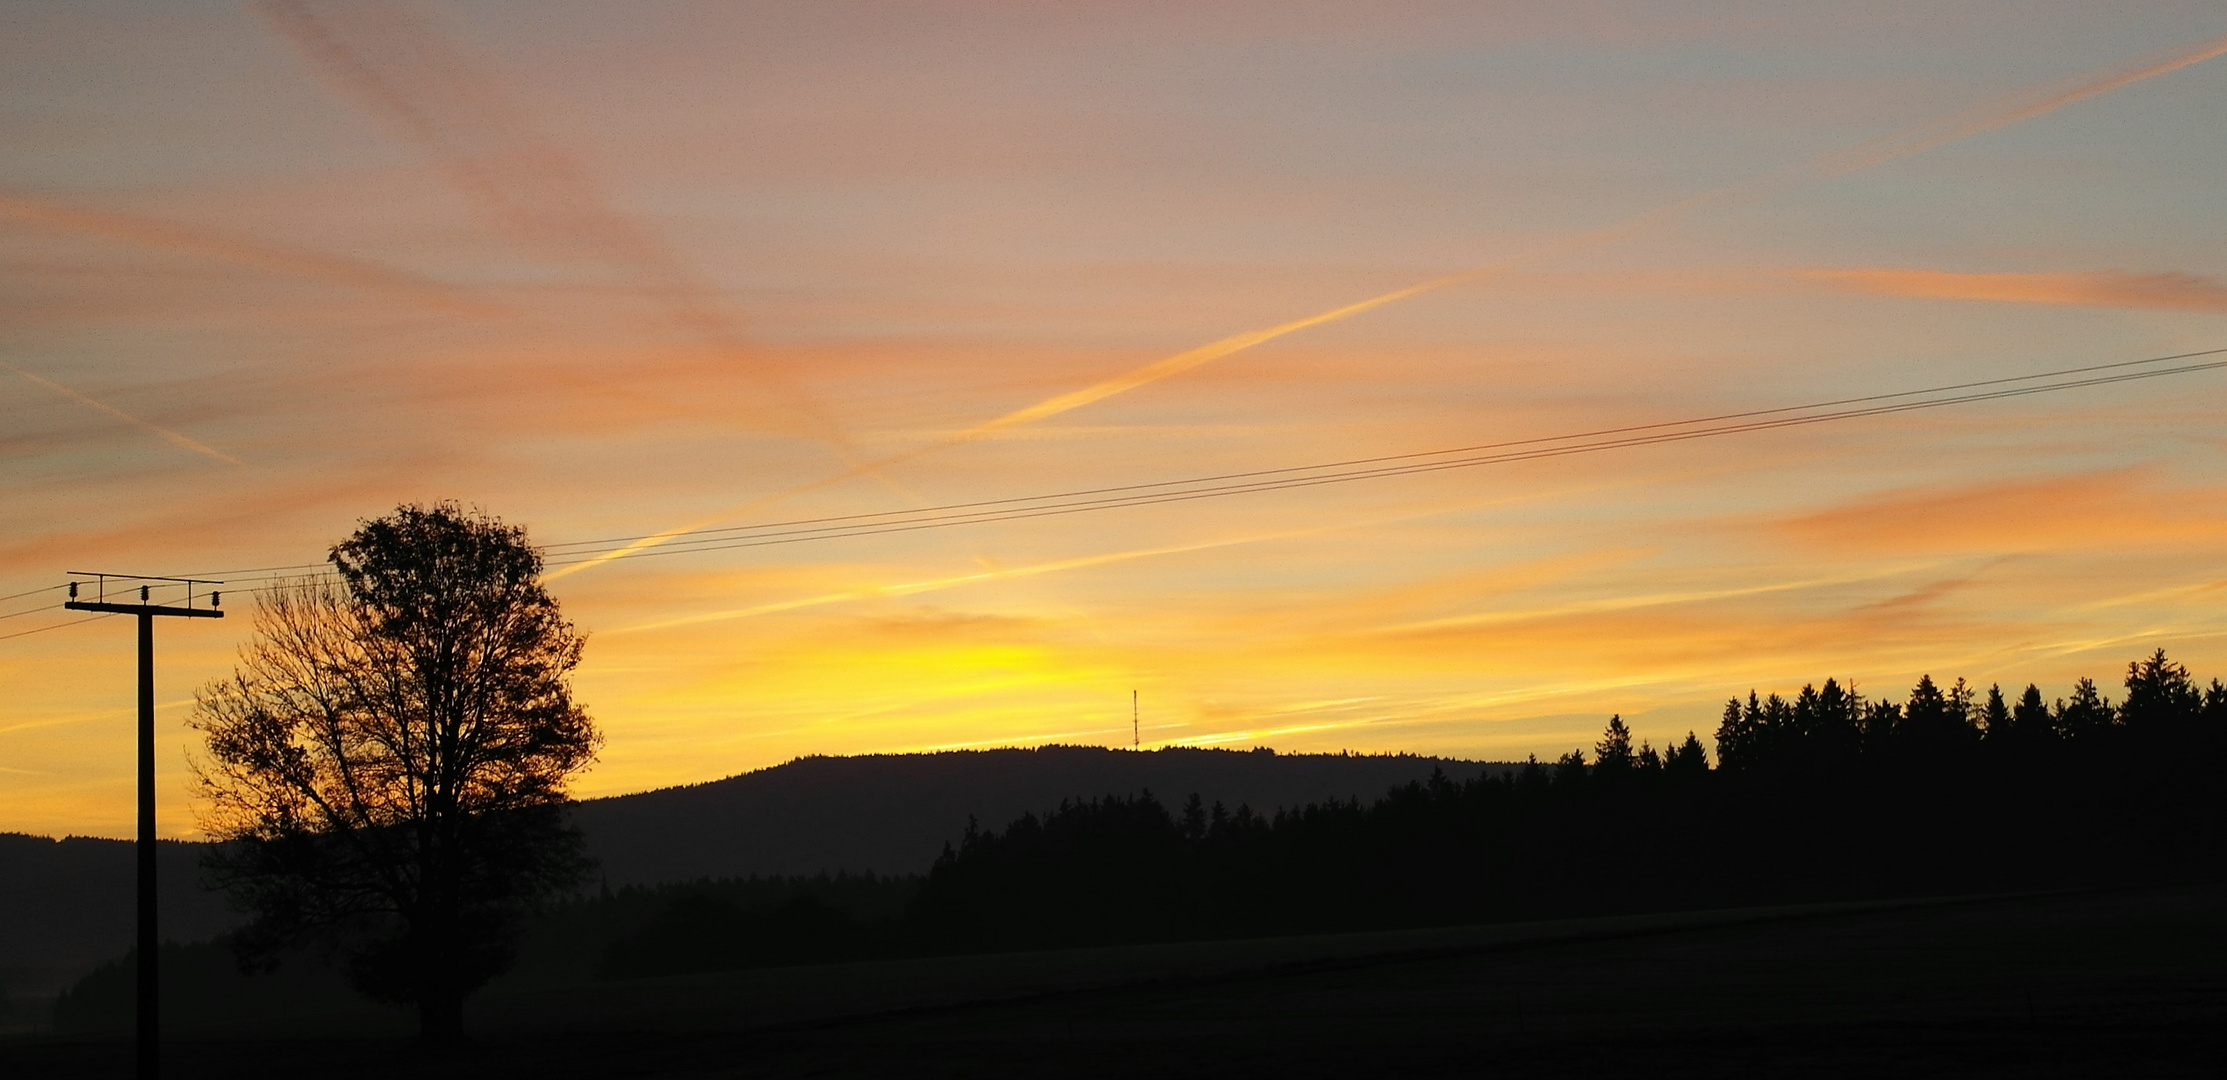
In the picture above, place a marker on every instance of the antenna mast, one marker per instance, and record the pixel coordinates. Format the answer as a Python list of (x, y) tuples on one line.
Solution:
[(1136, 734)]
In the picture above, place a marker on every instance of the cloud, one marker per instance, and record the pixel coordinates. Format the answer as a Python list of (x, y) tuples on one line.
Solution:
[(2106, 288), (520, 177), (173, 438), (273, 258), (937, 584), (2103, 509), (2007, 111), (1913, 140)]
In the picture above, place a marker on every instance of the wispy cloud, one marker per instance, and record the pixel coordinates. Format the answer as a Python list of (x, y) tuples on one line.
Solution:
[(182, 442), (520, 177), (2107, 509), (2105, 288), (273, 258), (1901, 144), (1872, 153), (2005, 112), (934, 584)]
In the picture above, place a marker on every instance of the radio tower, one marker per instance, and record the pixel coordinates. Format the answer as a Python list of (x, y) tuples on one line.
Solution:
[(1136, 734)]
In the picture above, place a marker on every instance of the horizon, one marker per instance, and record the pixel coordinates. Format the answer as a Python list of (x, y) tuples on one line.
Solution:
[(273, 269)]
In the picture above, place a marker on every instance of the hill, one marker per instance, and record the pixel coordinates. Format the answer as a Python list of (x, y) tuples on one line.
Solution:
[(892, 813), (66, 905)]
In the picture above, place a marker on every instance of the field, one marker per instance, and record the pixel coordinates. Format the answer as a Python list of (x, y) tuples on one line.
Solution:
[(2124, 983)]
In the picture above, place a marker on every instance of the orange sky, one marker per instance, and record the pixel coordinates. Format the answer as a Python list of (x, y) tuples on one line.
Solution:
[(269, 269)]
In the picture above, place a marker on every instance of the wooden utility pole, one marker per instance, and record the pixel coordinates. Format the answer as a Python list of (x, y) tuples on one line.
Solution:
[(150, 942)]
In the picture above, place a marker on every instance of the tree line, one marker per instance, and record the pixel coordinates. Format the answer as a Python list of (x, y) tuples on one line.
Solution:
[(1824, 795), (1821, 795)]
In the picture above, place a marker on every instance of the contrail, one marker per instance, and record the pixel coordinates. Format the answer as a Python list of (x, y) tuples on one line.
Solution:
[(291, 262), (1989, 117), (935, 584), (1914, 140), (517, 175), (2001, 113), (2101, 288), (168, 435), (1182, 361)]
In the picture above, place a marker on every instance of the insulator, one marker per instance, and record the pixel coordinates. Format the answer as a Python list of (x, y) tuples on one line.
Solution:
[(73, 590), (143, 594), (216, 599)]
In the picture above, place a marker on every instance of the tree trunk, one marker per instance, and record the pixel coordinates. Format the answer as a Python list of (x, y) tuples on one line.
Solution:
[(441, 1018)]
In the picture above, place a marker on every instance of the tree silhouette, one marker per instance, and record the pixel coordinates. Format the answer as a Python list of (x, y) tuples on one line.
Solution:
[(2161, 703), (1648, 760), (2088, 717), (1613, 754), (386, 767), (1194, 817), (1995, 721), (2029, 719), (1935, 722)]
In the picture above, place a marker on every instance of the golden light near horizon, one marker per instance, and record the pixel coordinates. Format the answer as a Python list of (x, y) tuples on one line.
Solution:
[(272, 268)]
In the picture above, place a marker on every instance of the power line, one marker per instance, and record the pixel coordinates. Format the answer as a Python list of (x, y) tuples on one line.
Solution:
[(620, 540), (1047, 509), (1082, 501), (1351, 470), (55, 626), (31, 592)]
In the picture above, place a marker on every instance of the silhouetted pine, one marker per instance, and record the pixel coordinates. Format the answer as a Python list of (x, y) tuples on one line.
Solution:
[(2030, 722), (1995, 720), (2088, 717), (1613, 754)]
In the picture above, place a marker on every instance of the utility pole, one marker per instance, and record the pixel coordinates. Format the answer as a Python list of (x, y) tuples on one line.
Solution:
[(150, 942)]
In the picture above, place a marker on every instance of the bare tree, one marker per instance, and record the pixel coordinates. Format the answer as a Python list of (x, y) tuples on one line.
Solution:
[(386, 767)]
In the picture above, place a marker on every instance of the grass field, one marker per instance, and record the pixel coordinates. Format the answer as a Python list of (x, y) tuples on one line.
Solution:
[(2099, 984)]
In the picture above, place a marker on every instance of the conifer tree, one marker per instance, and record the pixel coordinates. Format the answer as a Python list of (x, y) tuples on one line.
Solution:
[(1734, 738), (2030, 717), (1995, 721), (1194, 817), (1934, 721), (1881, 720), (2160, 698), (2087, 716), (1687, 758), (1613, 754)]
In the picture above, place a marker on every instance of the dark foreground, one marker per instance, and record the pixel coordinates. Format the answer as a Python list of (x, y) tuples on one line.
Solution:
[(2114, 984)]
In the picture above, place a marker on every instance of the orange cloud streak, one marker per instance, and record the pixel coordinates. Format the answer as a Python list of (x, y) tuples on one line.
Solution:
[(530, 185), (1879, 151), (1863, 156), (289, 262), (172, 437), (936, 584), (2099, 509), (2114, 289), (1989, 117)]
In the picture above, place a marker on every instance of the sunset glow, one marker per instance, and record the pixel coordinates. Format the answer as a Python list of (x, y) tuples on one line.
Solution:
[(268, 269)]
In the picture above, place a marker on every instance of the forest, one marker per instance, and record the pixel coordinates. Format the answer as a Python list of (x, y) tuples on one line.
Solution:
[(1824, 795)]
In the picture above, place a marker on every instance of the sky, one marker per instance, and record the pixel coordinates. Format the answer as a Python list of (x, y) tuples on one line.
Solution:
[(612, 271)]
